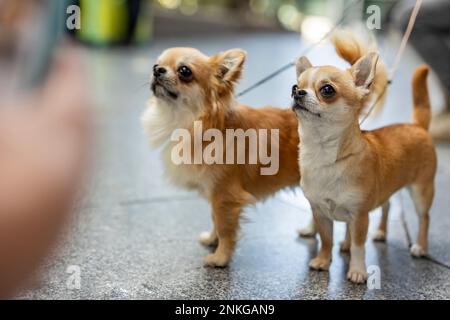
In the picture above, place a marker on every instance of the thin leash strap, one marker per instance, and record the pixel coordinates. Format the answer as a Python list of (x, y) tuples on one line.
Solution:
[(306, 51), (401, 50)]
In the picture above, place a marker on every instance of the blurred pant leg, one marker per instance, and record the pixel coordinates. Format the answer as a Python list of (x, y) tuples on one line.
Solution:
[(133, 7)]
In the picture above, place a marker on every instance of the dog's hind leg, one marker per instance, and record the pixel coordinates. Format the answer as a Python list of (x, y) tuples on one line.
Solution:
[(209, 238), (345, 245), (422, 195), (380, 234), (309, 231)]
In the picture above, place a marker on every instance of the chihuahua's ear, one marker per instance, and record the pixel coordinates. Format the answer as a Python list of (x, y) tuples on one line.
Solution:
[(229, 64), (301, 65), (363, 71)]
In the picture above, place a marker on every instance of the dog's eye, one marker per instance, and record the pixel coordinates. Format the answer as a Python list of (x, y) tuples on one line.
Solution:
[(327, 91), (185, 73)]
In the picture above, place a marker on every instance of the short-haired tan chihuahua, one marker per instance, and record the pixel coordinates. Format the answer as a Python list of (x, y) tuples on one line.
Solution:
[(347, 172)]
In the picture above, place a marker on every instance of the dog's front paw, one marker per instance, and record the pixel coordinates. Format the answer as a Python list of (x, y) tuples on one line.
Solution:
[(418, 251), (320, 264), (357, 275), (208, 239), (379, 236), (218, 260)]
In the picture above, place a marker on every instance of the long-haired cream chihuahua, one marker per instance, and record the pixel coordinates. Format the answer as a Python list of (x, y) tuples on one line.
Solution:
[(189, 86), (346, 172)]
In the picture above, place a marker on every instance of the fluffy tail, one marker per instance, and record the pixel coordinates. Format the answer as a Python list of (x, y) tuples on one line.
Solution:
[(422, 111), (351, 49)]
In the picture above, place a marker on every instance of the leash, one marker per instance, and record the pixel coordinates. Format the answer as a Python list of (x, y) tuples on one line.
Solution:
[(305, 52), (400, 51)]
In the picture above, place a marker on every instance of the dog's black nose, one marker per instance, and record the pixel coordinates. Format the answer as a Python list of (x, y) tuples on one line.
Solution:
[(298, 93), (158, 71)]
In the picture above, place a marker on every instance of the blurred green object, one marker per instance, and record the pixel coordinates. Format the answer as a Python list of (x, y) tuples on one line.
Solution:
[(109, 22)]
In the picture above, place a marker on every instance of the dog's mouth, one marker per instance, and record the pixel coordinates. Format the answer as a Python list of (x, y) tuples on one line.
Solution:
[(298, 106), (160, 90)]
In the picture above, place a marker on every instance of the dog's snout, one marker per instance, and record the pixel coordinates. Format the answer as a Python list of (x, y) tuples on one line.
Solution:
[(158, 70), (298, 93)]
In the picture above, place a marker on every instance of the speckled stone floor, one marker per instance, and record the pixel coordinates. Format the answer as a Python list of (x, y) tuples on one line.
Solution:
[(135, 236)]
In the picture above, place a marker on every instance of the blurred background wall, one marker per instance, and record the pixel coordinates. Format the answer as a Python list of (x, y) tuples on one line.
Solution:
[(125, 21)]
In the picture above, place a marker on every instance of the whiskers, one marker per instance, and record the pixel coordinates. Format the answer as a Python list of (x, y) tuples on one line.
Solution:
[(140, 87)]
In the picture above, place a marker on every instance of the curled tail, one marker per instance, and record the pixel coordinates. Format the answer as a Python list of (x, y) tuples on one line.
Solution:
[(351, 49), (421, 100), (348, 47)]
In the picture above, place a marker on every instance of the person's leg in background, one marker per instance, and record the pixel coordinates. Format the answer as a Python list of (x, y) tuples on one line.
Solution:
[(133, 8), (431, 38)]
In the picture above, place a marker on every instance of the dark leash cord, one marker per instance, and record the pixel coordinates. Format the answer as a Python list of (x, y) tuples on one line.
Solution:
[(305, 52)]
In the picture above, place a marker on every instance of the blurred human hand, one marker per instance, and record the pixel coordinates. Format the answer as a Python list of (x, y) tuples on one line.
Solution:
[(44, 145)]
